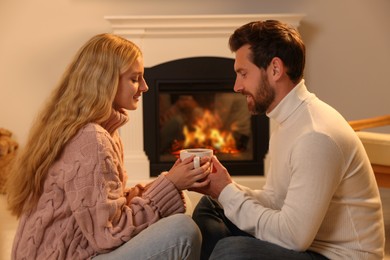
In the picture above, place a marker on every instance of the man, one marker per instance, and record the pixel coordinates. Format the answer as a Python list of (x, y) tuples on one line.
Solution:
[(320, 199)]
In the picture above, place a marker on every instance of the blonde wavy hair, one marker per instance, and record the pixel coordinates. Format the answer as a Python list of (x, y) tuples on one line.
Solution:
[(85, 94)]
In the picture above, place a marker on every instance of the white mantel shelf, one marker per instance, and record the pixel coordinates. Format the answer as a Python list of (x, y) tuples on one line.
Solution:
[(166, 38), (190, 25)]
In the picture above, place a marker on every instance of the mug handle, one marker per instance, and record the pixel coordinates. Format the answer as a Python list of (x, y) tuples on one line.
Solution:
[(196, 162)]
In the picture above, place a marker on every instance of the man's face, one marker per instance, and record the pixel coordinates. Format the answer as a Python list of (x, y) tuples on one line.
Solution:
[(252, 82)]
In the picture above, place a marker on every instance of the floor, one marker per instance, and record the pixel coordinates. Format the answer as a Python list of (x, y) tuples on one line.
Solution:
[(8, 225)]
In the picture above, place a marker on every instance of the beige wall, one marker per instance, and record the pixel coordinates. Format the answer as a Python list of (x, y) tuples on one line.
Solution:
[(347, 42)]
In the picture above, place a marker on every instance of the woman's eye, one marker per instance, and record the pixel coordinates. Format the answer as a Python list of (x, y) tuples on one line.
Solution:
[(134, 80)]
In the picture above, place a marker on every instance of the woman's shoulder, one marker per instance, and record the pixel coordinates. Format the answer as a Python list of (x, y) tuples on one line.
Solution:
[(92, 128), (91, 134)]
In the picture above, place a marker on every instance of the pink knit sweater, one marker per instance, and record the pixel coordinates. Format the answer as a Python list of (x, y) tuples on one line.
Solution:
[(85, 208)]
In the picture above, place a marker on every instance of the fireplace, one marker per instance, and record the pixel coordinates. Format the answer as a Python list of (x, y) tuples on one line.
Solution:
[(166, 38), (191, 104)]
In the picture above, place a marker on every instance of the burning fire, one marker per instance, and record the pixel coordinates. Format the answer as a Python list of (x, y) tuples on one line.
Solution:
[(205, 131)]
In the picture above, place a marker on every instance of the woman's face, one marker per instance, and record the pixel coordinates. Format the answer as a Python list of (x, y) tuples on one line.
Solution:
[(131, 85)]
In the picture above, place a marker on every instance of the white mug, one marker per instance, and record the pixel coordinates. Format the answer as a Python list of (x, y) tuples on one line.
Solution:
[(198, 152)]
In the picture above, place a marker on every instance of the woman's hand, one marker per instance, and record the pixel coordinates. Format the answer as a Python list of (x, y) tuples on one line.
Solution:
[(184, 176)]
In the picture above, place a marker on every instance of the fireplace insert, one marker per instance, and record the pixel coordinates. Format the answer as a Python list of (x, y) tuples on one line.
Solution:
[(191, 104)]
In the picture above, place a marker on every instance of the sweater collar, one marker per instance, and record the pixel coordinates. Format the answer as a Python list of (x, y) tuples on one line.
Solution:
[(116, 120), (290, 103)]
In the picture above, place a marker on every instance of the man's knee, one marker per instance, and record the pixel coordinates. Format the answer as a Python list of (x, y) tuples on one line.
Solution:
[(226, 248), (205, 206)]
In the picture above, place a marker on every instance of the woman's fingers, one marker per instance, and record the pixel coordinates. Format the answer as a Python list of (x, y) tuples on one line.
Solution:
[(200, 184), (177, 162), (198, 175)]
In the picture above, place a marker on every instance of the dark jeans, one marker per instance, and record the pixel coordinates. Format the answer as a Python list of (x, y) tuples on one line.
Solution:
[(223, 240)]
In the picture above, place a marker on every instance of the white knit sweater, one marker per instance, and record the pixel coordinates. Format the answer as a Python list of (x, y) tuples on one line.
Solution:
[(320, 193)]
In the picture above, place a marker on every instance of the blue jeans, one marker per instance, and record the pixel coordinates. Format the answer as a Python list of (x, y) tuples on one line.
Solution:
[(175, 237), (223, 240)]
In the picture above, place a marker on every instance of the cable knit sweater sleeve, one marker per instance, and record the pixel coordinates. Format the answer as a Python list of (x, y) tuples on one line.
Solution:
[(96, 192)]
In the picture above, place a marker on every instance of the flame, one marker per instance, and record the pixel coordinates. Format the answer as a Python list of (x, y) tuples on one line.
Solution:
[(205, 132)]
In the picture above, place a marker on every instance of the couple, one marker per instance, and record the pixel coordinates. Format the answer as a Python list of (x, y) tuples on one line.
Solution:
[(68, 190)]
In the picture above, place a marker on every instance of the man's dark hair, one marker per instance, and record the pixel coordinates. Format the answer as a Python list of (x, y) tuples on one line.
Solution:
[(269, 39)]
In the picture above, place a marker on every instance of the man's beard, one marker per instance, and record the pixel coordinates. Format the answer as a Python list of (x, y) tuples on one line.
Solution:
[(263, 97)]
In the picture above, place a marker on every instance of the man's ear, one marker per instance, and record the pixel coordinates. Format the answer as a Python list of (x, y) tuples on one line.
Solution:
[(276, 68)]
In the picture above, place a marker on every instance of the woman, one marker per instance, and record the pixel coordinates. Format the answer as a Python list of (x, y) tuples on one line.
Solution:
[(68, 184)]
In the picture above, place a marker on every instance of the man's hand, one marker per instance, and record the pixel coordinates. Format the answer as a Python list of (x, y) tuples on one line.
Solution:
[(219, 179)]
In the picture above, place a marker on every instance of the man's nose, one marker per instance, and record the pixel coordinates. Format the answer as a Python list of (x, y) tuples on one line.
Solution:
[(237, 86)]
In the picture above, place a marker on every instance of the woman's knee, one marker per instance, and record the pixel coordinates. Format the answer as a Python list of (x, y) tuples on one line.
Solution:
[(182, 226), (187, 234)]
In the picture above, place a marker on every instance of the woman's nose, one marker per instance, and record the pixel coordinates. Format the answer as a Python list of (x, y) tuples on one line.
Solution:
[(144, 86)]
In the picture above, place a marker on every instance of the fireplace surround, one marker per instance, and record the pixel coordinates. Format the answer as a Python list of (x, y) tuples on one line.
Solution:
[(164, 38), (191, 104)]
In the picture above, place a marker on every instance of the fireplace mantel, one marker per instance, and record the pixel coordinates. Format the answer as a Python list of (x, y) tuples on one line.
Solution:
[(189, 25), (166, 38)]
